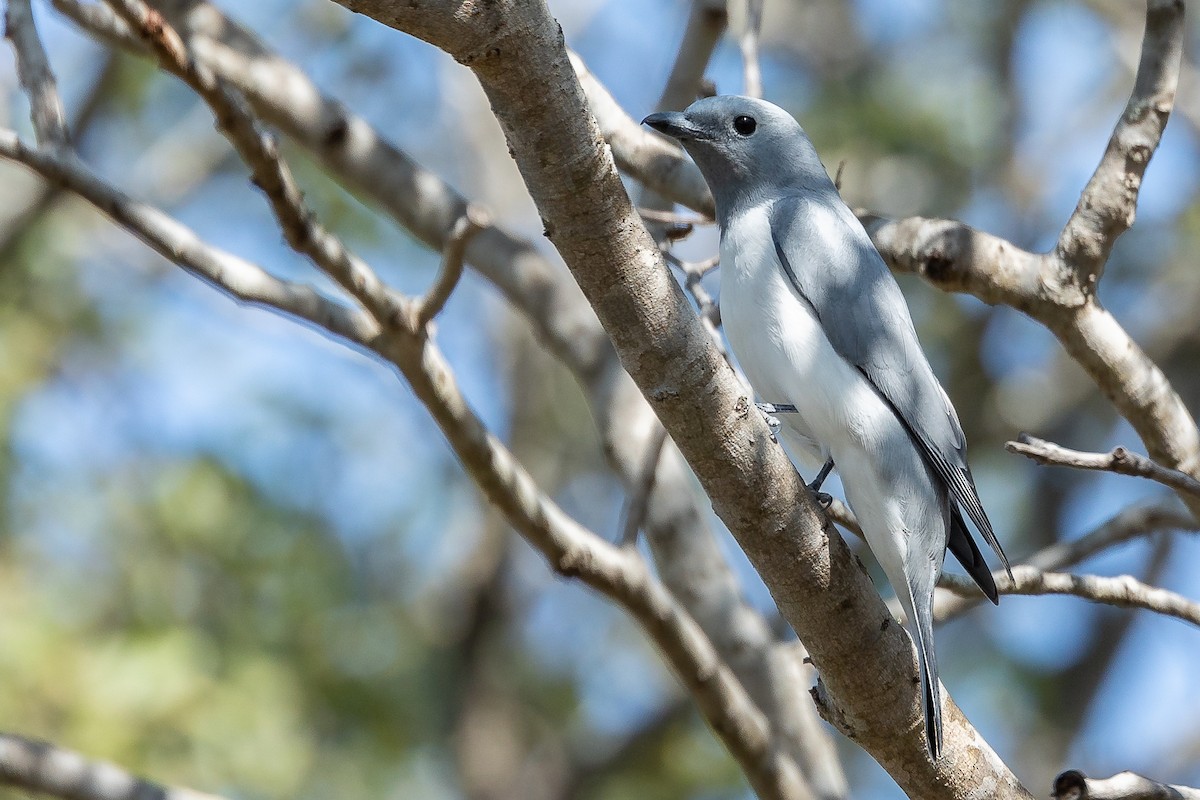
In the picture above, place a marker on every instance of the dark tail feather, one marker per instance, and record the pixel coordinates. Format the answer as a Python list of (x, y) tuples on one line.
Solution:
[(930, 693), (963, 548)]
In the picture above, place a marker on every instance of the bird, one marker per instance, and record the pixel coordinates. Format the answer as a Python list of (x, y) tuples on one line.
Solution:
[(817, 322)]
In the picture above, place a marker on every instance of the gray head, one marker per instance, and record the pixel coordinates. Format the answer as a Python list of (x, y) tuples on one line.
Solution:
[(746, 149)]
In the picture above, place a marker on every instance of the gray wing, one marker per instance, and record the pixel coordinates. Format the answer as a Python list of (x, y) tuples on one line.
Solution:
[(834, 266)]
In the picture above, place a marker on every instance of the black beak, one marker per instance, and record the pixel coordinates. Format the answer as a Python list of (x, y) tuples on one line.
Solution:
[(675, 125)]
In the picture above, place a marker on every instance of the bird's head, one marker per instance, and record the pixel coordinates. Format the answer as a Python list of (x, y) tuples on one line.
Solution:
[(746, 148)]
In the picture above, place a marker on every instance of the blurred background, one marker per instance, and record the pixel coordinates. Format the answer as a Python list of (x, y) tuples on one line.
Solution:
[(237, 556)]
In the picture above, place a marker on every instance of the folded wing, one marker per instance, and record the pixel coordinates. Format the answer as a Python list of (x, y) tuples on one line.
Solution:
[(863, 313)]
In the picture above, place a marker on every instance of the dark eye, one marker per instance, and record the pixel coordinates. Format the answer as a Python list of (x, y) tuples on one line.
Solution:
[(744, 125)]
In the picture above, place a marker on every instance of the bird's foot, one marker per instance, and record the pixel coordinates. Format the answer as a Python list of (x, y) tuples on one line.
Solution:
[(823, 499), (768, 409)]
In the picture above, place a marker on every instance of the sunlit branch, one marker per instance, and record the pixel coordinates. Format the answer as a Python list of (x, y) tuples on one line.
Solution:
[(1119, 460)]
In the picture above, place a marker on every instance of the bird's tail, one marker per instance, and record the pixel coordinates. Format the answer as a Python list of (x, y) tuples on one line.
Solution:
[(963, 547), (920, 616)]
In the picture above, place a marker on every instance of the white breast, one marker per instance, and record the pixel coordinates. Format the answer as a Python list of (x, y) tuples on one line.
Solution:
[(781, 347)]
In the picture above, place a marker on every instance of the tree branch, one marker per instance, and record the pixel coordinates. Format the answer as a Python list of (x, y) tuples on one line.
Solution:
[(45, 768), (1131, 523), (1109, 201), (1074, 785), (706, 22), (469, 224), (639, 499), (572, 550), (37, 79), (748, 42), (1123, 591), (659, 164), (1119, 460)]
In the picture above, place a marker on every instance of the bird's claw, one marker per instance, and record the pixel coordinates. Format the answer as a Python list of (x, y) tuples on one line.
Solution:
[(773, 423), (824, 500), (775, 408)]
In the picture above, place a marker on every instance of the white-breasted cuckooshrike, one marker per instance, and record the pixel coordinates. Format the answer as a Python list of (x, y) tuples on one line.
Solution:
[(817, 321)]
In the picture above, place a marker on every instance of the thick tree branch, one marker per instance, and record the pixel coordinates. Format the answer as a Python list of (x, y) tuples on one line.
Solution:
[(515, 47), (1119, 460), (1074, 785), (37, 79), (45, 768)]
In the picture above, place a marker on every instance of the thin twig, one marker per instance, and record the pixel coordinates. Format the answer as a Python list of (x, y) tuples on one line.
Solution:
[(451, 270), (37, 79), (1119, 460), (46, 768), (639, 498), (1074, 785), (47, 194), (749, 45), (1123, 590)]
